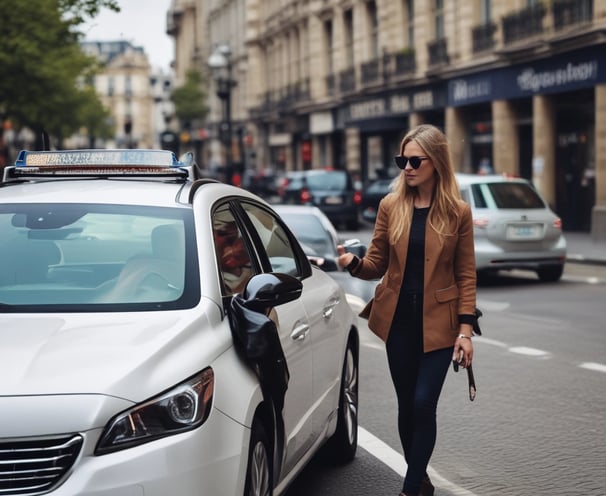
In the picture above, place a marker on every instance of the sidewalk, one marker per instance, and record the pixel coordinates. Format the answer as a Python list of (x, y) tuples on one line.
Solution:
[(582, 249)]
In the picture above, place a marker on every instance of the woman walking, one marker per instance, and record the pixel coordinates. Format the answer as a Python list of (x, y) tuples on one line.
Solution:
[(423, 308)]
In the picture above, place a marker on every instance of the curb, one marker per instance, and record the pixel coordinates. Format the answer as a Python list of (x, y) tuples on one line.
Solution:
[(582, 259)]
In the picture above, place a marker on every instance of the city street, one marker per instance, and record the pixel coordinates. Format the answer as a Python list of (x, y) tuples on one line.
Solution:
[(536, 426)]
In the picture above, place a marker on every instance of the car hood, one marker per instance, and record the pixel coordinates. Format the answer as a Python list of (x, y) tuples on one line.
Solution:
[(126, 355)]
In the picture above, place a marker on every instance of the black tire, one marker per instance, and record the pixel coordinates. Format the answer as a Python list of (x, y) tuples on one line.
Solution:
[(259, 470), (550, 273), (342, 445)]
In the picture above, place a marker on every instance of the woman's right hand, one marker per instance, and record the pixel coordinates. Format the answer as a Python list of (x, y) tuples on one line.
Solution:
[(345, 258)]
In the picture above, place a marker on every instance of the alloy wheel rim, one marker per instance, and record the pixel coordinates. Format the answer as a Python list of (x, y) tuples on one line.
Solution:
[(350, 396), (259, 477)]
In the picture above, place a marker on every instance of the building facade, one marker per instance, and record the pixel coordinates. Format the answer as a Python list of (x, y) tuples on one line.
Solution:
[(519, 86), (126, 87)]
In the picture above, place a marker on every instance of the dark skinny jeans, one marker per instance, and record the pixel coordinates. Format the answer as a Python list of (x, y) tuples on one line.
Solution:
[(418, 379)]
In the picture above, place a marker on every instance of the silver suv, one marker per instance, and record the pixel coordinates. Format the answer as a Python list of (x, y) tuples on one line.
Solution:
[(514, 228)]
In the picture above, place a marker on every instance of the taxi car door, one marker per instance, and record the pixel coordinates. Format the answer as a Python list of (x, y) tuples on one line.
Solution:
[(295, 334)]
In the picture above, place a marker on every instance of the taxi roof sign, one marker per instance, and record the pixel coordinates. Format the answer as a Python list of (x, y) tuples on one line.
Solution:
[(99, 163), (83, 158)]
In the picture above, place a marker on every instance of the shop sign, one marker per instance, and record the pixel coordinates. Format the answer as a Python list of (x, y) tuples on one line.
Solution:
[(568, 72), (368, 109), (464, 91), (531, 80)]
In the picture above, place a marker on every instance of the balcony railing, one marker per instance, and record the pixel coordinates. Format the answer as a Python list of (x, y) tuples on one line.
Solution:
[(405, 63), (570, 12), (438, 52), (483, 37), (523, 24), (371, 72), (347, 80)]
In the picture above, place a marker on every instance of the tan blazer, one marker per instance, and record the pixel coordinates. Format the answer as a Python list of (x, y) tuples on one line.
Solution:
[(449, 276)]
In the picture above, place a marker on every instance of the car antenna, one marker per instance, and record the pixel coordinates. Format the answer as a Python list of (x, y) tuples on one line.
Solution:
[(45, 141)]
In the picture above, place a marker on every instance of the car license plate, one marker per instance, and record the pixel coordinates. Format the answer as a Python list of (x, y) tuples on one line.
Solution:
[(524, 232), (333, 200)]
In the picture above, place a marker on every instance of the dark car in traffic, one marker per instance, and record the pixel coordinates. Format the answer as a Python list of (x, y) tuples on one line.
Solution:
[(332, 191), (372, 196)]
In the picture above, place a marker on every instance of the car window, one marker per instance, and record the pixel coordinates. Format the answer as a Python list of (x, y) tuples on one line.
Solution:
[(274, 239), (233, 255), (328, 181), (506, 195), (77, 254), (465, 195), (310, 232)]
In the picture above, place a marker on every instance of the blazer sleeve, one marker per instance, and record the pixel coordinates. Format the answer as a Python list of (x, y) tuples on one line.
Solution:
[(374, 264), (465, 263)]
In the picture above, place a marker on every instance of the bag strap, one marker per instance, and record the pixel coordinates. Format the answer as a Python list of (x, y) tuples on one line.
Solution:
[(472, 383)]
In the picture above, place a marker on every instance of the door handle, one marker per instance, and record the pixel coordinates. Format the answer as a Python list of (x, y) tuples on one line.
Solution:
[(299, 332), (329, 309)]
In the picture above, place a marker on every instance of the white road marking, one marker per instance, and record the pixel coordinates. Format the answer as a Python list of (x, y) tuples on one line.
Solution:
[(394, 460), (525, 350), (593, 366)]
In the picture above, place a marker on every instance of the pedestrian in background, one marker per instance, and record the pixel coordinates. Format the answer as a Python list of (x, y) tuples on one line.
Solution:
[(423, 308)]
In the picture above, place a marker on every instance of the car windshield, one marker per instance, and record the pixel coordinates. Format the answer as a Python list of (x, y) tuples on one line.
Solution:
[(63, 257), (327, 181), (506, 195)]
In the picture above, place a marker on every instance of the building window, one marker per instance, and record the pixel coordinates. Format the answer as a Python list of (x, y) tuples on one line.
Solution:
[(373, 28), (110, 86), (349, 48), (439, 19), (485, 15), (409, 25), (328, 44), (128, 86)]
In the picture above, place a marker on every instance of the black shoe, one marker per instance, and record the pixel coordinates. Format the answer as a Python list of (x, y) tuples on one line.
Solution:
[(427, 488)]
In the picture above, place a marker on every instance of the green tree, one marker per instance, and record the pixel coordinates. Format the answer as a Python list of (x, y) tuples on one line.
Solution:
[(42, 64), (190, 99)]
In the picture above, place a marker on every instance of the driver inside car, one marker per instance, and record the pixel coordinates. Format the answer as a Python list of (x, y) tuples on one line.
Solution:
[(234, 260)]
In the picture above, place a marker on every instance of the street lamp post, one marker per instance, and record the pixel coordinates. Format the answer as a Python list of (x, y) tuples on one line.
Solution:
[(220, 63)]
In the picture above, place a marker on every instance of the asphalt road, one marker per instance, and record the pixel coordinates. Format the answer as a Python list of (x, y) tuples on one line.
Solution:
[(537, 424)]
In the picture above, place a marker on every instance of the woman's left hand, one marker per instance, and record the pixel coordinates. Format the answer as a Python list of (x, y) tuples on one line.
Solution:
[(463, 348)]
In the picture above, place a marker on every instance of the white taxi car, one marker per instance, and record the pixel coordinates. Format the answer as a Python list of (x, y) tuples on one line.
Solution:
[(120, 373)]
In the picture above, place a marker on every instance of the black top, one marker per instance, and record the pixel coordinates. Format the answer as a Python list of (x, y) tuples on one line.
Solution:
[(415, 260)]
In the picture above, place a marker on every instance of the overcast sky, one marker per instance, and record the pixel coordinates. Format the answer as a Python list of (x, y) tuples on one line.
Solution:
[(142, 22)]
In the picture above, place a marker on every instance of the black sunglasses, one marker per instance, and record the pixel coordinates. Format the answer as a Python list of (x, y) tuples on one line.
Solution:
[(415, 162)]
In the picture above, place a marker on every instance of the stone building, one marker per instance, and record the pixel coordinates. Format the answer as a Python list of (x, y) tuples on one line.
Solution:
[(124, 87), (517, 85)]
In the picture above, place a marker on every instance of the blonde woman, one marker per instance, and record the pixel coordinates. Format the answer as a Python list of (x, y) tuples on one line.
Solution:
[(423, 308)]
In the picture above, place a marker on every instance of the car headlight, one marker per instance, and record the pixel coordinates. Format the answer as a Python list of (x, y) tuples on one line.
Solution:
[(182, 408)]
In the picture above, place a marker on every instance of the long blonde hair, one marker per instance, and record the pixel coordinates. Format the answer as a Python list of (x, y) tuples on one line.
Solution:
[(445, 194)]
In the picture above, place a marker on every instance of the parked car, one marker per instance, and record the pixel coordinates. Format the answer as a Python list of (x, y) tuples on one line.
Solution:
[(128, 362), (373, 194), (332, 191), (319, 240), (514, 228)]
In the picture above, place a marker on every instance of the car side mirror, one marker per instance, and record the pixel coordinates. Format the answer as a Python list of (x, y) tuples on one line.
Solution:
[(265, 291), (354, 246)]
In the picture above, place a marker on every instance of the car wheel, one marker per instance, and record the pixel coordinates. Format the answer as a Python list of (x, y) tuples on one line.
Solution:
[(550, 273), (342, 446), (259, 471)]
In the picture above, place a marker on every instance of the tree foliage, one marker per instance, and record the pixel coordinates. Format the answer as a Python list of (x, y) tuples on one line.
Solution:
[(42, 65), (190, 99)]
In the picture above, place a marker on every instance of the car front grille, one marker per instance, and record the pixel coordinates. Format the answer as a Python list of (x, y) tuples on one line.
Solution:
[(36, 465)]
